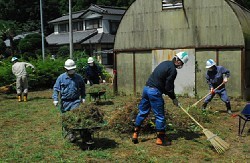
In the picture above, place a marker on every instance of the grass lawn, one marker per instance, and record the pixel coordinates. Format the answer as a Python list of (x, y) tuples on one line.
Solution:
[(31, 132)]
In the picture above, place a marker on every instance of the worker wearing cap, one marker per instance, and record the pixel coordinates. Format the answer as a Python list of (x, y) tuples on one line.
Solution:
[(71, 88), (19, 70), (93, 72), (215, 76), (161, 81)]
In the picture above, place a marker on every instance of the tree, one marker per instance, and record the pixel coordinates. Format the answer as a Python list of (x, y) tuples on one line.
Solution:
[(7, 31), (2, 47), (30, 43)]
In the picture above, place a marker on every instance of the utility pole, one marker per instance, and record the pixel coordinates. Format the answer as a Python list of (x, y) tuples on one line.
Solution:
[(42, 32), (70, 32)]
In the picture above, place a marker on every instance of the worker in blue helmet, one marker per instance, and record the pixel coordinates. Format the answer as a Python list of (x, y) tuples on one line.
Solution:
[(215, 76), (19, 70)]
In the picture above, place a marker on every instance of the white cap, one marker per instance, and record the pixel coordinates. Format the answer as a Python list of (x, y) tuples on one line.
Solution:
[(183, 56), (70, 64), (210, 63), (90, 60)]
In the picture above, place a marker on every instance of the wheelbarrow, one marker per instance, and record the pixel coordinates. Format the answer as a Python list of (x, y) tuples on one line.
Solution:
[(97, 95), (84, 135), (87, 134)]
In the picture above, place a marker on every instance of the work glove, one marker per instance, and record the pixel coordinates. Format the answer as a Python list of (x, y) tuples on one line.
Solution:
[(55, 103), (225, 80), (83, 100), (88, 82), (175, 102), (212, 91), (104, 81)]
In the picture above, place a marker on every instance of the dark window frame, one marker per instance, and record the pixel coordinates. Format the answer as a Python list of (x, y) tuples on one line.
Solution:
[(93, 24)]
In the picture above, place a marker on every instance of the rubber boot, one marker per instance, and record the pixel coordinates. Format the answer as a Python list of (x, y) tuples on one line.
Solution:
[(228, 105), (161, 139), (25, 98), (135, 135), (203, 107), (19, 98)]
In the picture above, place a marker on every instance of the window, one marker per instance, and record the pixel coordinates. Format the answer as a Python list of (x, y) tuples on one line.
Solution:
[(63, 28), (113, 27), (93, 24), (167, 4), (77, 26)]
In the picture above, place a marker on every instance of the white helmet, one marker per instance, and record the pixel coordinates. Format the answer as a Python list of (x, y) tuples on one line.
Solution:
[(14, 59), (90, 60), (210, 63), (183, 56), (70, 64)]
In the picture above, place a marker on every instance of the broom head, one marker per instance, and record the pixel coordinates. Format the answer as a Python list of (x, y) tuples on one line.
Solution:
[(220, 145), (5, 89)]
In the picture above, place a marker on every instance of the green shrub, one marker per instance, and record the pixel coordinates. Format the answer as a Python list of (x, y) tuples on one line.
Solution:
[(6, 73), (63, 51), (30, 43), (46, 72)]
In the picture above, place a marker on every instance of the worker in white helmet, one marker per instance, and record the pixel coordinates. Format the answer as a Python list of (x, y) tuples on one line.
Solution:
[(71, 88), (161, 81), (93, 73), (215, 76), (19, 70)]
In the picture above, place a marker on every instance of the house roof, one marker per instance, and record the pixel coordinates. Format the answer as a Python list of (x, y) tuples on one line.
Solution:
[(95, 8), (107, 9), (63, 38), (75, 15), (100, 38)]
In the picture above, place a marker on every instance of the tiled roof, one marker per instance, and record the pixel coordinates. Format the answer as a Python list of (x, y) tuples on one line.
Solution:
[(100, 38), (107, 10), (95, 8), (75, 15), (63, 38)]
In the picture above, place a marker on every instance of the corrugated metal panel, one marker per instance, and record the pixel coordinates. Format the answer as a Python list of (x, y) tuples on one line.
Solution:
[(143, 66), (125, 77), (201, 57), (185, 80), (244, 18), (232, 61), (203, 23)]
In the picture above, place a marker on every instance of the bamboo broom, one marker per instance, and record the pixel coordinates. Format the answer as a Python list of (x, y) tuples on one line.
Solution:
[(6, 88), (220, 145)]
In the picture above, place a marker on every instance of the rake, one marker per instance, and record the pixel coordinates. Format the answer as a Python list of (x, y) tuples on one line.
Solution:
[(207, 95), (220, 145)]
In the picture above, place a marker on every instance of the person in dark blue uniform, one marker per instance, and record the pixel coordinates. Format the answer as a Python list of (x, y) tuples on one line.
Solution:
[(160, 82), (69, 89), (215, 76), (93, 73)]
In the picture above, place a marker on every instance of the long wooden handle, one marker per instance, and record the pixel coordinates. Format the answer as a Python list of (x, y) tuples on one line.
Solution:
[(191, 117), (207, 95)]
